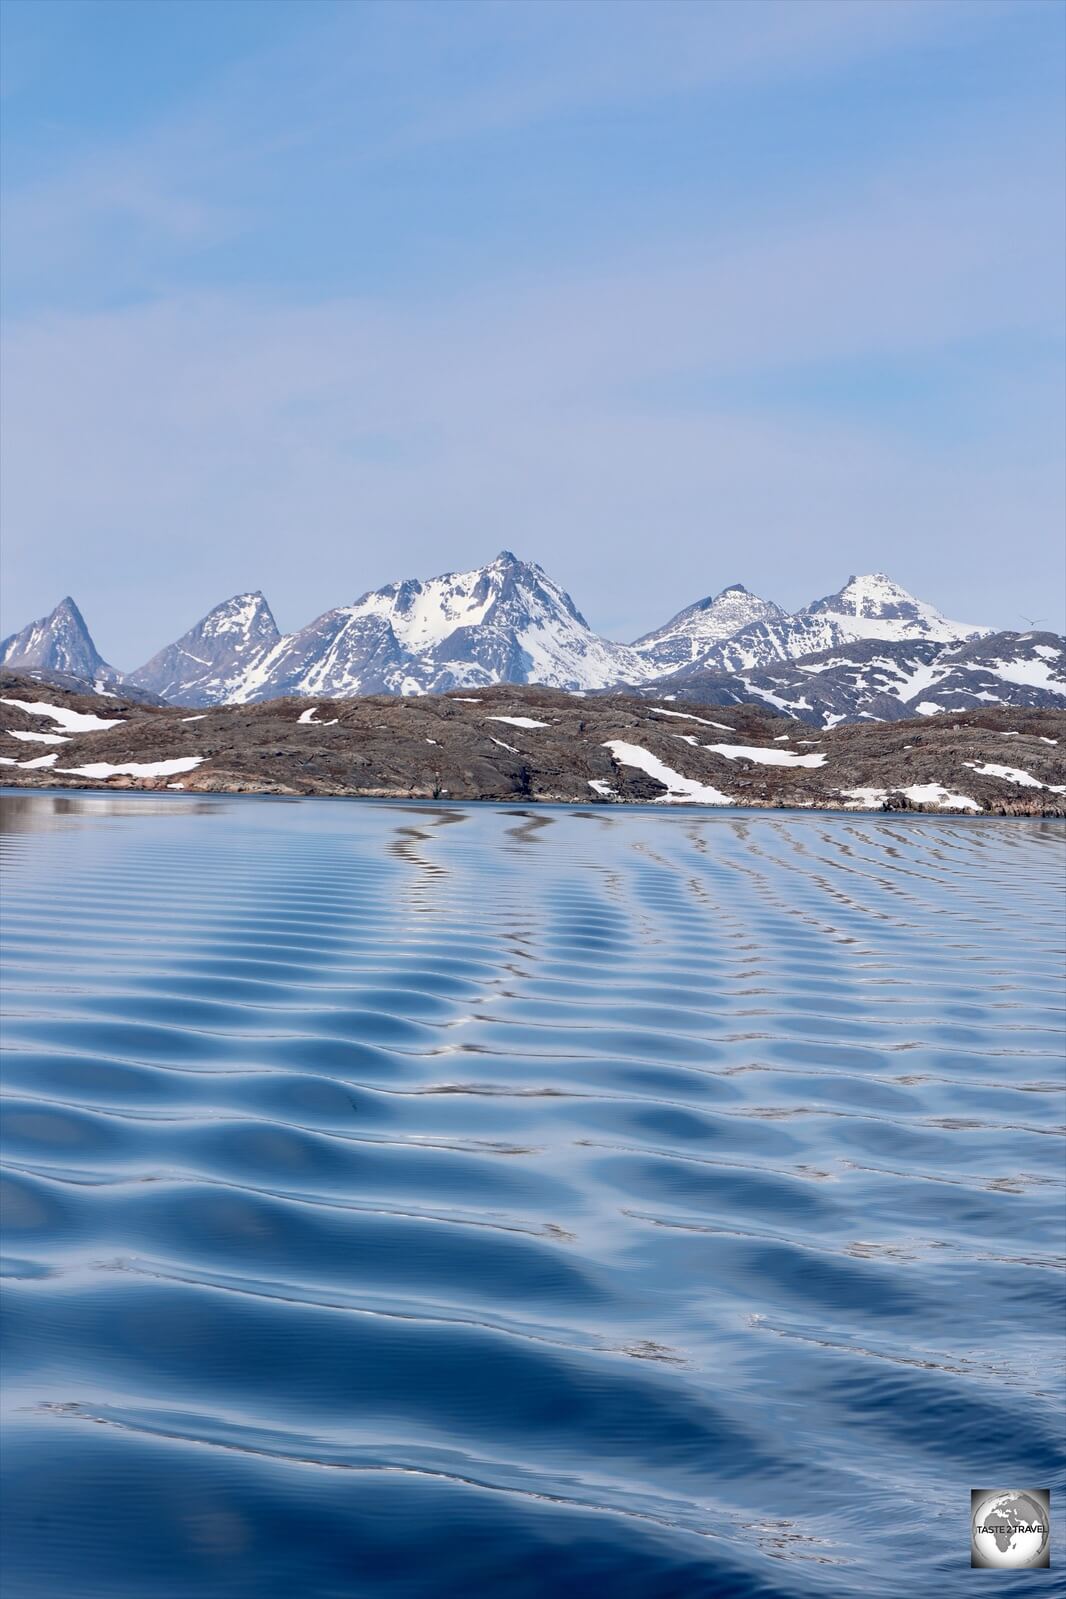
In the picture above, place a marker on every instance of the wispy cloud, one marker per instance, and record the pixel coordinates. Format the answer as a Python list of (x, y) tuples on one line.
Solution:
[(181, 421), (365, 84), (212, 434)]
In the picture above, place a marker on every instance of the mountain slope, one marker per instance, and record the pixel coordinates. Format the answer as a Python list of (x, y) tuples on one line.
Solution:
[(783, 638), (60, 642), (207, 665), (693, 631), (878, 680)]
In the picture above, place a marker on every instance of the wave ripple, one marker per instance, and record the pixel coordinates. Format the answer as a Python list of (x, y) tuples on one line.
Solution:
[(425, 1200)]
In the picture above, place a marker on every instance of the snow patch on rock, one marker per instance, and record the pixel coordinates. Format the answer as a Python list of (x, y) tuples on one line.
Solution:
[(39, 738), (64, 717), (678, 787), (764, 756), (183, 763)]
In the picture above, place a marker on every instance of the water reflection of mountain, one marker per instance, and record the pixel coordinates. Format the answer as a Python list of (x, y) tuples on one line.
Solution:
[(45, 813)]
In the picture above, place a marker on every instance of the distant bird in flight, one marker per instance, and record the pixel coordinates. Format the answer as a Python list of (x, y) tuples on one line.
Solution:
[(1032, 620)]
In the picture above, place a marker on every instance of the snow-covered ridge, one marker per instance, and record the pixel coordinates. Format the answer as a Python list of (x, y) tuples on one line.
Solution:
[(872, 650), (881, 680), (868, 607)]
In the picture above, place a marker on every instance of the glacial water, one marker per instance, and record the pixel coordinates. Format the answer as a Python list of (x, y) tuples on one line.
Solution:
[(429, 1201)]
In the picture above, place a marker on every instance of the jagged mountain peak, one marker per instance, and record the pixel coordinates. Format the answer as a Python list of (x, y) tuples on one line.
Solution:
[(247, 614), (59, 642), (424, 612), (208, 663)]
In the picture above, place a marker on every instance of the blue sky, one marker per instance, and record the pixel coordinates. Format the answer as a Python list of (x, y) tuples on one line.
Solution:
[(310, 296)]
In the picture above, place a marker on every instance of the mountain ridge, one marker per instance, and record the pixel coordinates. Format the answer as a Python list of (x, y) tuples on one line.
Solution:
[(509, 622)]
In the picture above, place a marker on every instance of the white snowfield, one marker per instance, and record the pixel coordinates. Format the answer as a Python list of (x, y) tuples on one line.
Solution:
[(864, 798), (311, 715), (191, 719), (30, 766), (764, 756), (1034, 674), (70, 721), (504, 746), (518, 721), (936, 794), (684, 716), (39, 738), (678, 788), (183, 763), (917, 793), (602, 788), (1013, 774)]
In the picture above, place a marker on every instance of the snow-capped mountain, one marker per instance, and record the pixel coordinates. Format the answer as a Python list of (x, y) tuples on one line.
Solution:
[(885, 680), (871, 651), (873, 606), (504, 622), (693, 631), (209, 664), (868, 607), (60, 643)]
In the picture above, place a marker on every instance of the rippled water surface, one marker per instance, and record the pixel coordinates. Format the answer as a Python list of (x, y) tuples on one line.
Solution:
[(431, 1201)]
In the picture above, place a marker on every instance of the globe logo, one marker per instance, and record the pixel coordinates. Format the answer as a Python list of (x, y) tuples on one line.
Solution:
[(1010, 1528)]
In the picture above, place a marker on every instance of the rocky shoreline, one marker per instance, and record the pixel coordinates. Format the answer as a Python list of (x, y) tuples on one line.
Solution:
[(536, 745)]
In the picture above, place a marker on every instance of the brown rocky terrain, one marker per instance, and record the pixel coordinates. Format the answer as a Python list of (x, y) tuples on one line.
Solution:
[(601, 749)]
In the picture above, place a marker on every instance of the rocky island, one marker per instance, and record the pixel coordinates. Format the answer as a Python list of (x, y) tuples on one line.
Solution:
[(534, 744)]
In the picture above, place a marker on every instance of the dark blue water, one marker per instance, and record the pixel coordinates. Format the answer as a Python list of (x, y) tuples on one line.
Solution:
[(430, 1201)]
